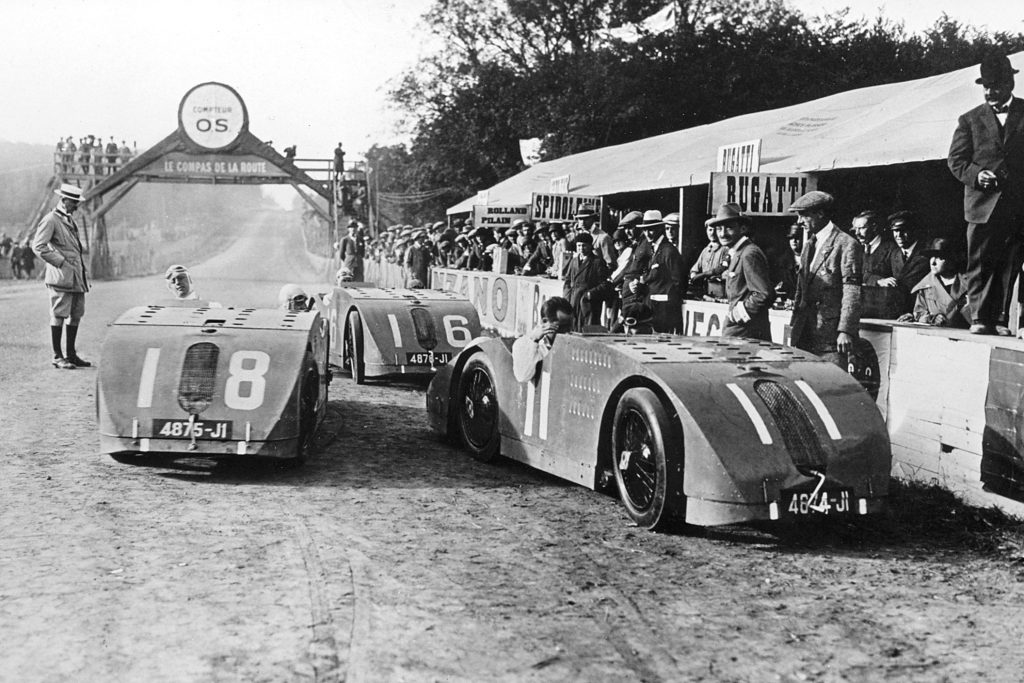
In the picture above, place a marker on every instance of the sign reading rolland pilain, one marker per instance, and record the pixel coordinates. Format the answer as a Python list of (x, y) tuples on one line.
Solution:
[(760, 194), (560, 207), (497, 216)]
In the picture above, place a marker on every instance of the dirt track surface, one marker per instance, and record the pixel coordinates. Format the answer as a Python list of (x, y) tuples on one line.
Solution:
[(393, 556)]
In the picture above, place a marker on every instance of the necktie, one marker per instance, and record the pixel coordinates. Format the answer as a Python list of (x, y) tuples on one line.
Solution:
[(1005, 109), (812, 241)]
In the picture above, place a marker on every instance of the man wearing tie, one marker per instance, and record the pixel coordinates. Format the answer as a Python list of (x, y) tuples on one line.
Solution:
[(987, 156), (826, 308), (57, 242)]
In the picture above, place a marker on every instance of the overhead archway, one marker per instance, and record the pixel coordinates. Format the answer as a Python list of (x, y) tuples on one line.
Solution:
[(213, 145)]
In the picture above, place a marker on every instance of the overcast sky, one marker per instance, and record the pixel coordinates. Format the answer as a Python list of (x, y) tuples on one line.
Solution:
[(312, 72)]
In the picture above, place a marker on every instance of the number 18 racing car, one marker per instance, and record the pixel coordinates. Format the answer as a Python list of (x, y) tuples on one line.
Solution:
[(710, 431), (213, 381)]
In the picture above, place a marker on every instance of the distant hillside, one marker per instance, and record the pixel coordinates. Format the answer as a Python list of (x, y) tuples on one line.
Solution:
[(24, 170)]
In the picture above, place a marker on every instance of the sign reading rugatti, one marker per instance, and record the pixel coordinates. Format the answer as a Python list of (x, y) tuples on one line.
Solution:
[(179, 165), (760, 194), (560, 207)]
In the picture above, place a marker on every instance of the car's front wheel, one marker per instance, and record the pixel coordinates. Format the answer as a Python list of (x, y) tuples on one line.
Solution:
[(476, 406), (641, 471), (354, 347)]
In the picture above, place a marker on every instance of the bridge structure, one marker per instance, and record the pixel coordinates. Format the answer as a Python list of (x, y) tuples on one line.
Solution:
[(211, 145)]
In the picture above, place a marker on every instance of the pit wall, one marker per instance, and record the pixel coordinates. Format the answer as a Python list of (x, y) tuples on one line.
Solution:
[(953, 402)]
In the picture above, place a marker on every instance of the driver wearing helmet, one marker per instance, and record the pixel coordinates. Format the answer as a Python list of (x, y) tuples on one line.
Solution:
[(179, 282), (293, 298)]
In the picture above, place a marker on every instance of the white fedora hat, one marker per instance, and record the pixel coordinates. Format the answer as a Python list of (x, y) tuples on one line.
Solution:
[(68, 191)]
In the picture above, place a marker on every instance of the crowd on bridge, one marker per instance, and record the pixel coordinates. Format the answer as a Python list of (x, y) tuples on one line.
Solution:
[(90, 156)]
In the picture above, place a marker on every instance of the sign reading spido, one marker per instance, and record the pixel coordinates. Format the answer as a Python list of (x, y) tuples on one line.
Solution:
[(212, 115)]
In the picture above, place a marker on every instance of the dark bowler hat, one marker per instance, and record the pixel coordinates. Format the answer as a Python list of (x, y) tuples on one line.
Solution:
[(727, 213), (940, 246), (586, 211), (815, 199), (584, 237), (995, 68), (619, 236)]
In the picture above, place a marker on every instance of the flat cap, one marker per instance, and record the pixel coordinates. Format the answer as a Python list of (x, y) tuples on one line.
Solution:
[(630, 218), (816, 199)]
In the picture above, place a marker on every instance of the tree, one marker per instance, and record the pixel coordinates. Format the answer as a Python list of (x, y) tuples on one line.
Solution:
[(526, 69)]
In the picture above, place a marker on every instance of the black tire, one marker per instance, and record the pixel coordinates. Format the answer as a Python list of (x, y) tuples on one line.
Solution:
[(476, 409), (309, 392), (354, 347), (640, 427)]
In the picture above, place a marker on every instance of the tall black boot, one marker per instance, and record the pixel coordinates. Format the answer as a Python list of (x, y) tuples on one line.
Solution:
[(72, 354), (55, 334)]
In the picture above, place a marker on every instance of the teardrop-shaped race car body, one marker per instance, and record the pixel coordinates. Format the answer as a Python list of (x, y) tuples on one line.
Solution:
[(212, 381)]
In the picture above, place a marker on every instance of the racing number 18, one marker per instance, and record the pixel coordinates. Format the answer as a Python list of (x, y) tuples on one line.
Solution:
[(244, 389)]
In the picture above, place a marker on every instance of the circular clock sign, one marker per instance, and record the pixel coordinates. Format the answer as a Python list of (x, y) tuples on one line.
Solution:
[(212, 115)]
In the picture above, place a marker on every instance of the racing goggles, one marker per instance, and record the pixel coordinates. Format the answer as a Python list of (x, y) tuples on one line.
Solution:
[(299, 302)]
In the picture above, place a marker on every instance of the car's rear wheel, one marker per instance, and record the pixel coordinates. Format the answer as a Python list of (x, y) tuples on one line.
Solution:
[(354, 347), (476, 406), (641, 472)]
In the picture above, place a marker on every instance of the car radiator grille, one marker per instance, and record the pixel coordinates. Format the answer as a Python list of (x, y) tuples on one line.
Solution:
[(423, 323), (198, 377), (798, 432)]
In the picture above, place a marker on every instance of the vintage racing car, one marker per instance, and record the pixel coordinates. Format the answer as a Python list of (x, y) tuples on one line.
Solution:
[(194, 380), (398, 331), (711, 431)]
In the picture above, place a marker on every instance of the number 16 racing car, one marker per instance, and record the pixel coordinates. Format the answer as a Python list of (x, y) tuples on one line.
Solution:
[(213, 381), (710, 431)]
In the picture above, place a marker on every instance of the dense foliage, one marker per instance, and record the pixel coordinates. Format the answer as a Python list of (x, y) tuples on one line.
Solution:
[(516, 69)]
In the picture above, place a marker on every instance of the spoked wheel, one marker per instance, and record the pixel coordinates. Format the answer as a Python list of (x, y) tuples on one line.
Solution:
[(639, 456), (354, 347), (476, 406)]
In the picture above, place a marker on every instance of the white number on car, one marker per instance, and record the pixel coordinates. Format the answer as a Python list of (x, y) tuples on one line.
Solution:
[(246, 371), (456, 331)]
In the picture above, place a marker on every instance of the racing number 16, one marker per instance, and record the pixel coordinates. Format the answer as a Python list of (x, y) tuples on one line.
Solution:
[(244, 389)]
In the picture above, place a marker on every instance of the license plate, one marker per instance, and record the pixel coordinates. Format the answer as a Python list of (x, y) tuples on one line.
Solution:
[(215, 430), (427, 357), (826, 502)]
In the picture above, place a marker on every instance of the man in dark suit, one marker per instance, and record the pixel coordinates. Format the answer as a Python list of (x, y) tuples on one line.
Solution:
[(826, 309), (912, 264), (987, 156), (662, 282), (881, 255), (748, 282)]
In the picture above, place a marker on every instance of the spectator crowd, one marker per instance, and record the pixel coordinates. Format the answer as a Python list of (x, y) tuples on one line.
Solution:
[(90, 156)]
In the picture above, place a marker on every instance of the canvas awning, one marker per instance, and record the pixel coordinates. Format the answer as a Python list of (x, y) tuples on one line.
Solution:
[(877, 126)]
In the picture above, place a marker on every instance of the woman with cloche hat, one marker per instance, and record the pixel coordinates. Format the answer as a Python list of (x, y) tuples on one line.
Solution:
[(940, 298)]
